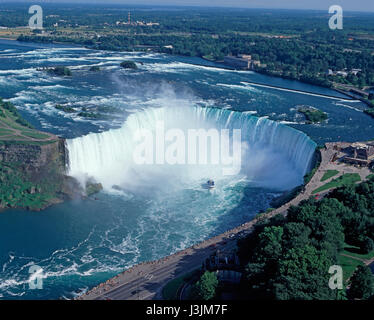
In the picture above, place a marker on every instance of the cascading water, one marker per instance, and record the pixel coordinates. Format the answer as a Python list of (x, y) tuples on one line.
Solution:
[(273, 155)]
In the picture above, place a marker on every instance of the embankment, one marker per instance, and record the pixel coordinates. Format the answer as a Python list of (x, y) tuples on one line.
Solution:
[(32, 175)]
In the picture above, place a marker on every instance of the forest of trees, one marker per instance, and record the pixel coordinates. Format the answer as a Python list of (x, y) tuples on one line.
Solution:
[(289, 257), (306, 50), (289, 58)]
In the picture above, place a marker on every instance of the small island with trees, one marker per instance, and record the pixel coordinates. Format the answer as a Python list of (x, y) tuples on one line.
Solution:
[(61, 71), (65, 108), (313, 115), (129, 65), (95, 68)]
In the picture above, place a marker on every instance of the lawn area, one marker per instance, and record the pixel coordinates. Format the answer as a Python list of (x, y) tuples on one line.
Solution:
[(170, 291), (35, 135), (5, 132), (370, 176), (349, 265), (14, 129), (346, 179), (354, 252), (328, 174)]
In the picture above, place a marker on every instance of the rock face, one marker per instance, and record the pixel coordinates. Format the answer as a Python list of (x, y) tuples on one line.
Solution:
[(35, 159), (32, 176)]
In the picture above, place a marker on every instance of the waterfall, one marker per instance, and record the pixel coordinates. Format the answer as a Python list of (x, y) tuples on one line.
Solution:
[(274, 155)]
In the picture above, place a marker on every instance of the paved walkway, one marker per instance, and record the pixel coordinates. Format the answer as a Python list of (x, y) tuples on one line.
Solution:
[(146, 280)]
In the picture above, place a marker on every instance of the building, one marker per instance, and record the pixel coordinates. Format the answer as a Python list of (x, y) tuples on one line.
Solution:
[(237, 62), (241, 61), (355, 71), (360, 153), (343, 74), (256, 63)]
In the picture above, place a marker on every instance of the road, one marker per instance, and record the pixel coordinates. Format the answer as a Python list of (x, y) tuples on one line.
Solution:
[(147, 285), (146, 280)]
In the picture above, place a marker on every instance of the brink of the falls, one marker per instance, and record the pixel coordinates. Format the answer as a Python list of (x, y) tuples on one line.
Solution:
[(273, 155)]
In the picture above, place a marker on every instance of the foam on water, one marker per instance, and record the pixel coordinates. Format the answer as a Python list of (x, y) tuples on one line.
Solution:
[(273, 155)]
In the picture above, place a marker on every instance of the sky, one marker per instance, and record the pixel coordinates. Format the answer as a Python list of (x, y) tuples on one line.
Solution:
[(348, 5)]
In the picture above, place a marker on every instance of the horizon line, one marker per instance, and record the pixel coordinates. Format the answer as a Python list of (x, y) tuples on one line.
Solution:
[(175, 5)]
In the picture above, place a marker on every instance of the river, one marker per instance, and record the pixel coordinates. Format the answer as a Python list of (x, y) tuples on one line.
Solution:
[(157, 211)]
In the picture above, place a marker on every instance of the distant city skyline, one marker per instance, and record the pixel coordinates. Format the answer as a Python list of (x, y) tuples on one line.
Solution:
[(348, 5)]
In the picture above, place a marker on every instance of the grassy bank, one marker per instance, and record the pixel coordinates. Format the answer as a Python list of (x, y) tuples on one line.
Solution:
[(329, 174), (344, 180), (31, 163)]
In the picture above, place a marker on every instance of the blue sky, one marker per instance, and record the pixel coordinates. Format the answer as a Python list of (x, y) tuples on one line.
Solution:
[(348, 5)]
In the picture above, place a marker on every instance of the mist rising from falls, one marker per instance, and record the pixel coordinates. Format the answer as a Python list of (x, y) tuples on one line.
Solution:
[(273, 155)]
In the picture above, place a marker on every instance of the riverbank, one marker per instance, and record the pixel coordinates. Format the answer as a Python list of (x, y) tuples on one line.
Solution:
[(217, 64), (33, 165), (299, 91)]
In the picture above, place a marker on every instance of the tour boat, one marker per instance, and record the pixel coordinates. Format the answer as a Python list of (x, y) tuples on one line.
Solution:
[(210, 184)]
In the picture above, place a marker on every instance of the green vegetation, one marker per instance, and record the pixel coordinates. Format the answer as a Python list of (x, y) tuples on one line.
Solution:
[(60, 71), (346, 179), (5, 132), (355, 252), (129, 65), (362, 284), (313, 115), (91, 115), (25, 142), (35, 135), (9, 114), (370, 112), (329, 174), (65, 108), (286, 45), (25, 181), (205, 288), (92, 188), (351, 257), (288, 257), (18, 190), (87, 114), (370, 102), (14, 129), (349, 266)]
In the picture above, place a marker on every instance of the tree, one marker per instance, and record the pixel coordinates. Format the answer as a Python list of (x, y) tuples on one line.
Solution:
[(61, 71), (367, 245), (205, 288), (296, 235), (270, 244), (361, 284), (303, 274), (129, 65)]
